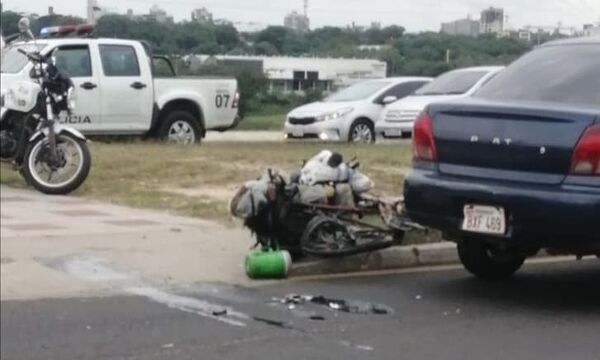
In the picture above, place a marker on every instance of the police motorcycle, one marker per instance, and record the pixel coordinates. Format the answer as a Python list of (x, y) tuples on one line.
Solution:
[(53, 158)]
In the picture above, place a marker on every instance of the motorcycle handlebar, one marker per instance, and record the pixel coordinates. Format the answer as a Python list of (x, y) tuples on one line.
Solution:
[(35, 56)]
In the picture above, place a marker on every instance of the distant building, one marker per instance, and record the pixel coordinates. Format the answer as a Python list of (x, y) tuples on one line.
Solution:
[(366, 47), (202, 16), (375, 25), (591, 30), (249, 27), (92, 11), (492, 21), (159, 15), (297, 22), (50, 10), (524, 35), (297, 74), (462, 27), (130, 14), (95, 11)]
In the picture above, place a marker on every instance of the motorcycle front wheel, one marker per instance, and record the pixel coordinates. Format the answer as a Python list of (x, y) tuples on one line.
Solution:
[(58, 175)]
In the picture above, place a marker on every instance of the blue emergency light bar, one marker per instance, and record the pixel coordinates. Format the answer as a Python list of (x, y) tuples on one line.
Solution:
[(66, 30)]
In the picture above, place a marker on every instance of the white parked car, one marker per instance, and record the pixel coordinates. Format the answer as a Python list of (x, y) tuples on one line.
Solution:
[(118, 92), (397, 119), (349, 115)]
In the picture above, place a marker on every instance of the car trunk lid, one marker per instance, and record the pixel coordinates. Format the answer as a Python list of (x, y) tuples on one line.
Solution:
[(507, 142)]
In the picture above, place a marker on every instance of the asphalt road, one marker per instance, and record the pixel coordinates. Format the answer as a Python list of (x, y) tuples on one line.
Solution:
[(549, 311)]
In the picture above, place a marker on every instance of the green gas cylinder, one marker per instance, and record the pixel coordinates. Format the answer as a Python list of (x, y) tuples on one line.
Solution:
[(268, 264)]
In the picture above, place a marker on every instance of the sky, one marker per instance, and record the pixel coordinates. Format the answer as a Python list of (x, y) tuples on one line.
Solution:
[(414, 15)]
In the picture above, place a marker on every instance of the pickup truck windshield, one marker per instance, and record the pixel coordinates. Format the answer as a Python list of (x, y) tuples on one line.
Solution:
[(359, 91), (561, 74), (453, 82), (13, 61)]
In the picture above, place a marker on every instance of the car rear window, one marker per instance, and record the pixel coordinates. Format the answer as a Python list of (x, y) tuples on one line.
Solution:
[(452, 83), (568, 74)]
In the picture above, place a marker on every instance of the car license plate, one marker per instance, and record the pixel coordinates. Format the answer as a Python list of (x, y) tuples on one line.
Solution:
[(393, 132), (484, 219), (298, 133)]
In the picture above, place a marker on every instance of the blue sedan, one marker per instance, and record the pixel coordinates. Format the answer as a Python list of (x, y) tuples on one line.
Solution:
[(515, 168)]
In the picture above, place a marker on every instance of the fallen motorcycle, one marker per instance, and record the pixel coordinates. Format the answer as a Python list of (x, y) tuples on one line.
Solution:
[(324, 210)]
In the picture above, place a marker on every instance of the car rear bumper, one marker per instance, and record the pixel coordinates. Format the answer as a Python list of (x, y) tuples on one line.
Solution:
[(562, 217)]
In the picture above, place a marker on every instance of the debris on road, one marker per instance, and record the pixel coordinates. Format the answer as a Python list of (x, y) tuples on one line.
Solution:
[(220, 312), (292, 301), (277, 323), (358, 347)]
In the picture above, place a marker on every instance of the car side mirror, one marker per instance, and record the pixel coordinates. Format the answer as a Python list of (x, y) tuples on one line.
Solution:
[(388, 100)]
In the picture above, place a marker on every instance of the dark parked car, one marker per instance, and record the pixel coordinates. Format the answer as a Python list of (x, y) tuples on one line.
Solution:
[(515, 168)]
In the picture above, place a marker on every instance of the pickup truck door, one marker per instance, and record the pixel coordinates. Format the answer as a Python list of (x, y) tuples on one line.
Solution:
[(76, 61), (128, 97)]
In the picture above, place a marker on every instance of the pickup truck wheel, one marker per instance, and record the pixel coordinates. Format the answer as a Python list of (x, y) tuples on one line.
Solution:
[(180, 127), (488, 261)]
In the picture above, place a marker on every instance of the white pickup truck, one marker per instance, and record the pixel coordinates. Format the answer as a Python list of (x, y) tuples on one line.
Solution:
[(120, 93)]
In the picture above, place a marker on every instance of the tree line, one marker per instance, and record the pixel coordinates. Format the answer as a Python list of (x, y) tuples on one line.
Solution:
[(422, 54), (426, 54)]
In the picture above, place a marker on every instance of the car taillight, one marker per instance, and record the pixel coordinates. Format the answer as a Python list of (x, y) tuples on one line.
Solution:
[(586, 157), (423, 144)]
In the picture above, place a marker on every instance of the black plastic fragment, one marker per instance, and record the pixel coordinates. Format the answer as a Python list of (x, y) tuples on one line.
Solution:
[(220, 312)]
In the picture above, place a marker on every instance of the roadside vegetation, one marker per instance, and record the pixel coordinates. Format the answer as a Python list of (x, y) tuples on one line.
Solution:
[(264, 122), (199, 181)]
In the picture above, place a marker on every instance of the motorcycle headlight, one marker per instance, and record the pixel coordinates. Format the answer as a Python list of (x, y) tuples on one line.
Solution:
[(335, 115), (71, 98)]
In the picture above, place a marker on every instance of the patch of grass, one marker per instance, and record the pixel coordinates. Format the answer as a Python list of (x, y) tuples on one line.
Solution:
[(9, 176), (272, 122), (199, 180)]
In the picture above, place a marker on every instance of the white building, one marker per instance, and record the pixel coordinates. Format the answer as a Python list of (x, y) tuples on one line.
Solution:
[(92, 9), (249, 27), (492, 21), (202, 16), (297, 22), (462, 27), (591, 30), (159, 14), (288, 74), (368, 47), (95, 11)]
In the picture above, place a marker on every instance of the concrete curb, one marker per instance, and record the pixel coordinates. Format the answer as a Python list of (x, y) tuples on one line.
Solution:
[(397, 257)]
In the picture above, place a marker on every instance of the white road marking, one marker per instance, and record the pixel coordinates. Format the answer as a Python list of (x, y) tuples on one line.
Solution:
[(94, 269)]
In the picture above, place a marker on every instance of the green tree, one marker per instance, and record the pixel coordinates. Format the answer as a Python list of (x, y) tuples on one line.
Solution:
[(227, 37), (9, 22), (265, 48)]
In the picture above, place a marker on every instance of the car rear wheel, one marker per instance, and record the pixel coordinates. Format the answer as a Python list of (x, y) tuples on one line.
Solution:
[(488, 261)]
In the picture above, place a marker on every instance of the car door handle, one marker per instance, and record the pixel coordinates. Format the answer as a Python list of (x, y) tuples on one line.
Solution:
[(138, 85), (88, 86)]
